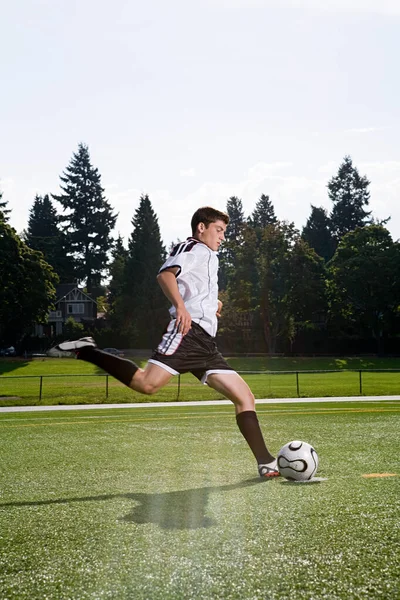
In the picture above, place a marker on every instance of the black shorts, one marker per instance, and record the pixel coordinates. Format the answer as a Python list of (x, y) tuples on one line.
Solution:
[(196, 353)]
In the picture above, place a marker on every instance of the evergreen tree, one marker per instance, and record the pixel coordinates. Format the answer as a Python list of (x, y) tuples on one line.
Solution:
[(116, 271), (233, 240), (27, 290), (349, 194), (317, 233), (240, 297), (42, 224), (263, 214), (278, 285), (273, 287), (90, 219), (307, 275), (43, 234), (234, 208), (4, 212), (365, 282), (142, 306)]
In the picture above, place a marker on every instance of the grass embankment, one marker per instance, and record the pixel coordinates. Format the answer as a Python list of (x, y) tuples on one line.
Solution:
[(68, 381)]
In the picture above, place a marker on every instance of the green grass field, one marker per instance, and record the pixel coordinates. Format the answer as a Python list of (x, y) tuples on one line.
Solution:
[(165, 504), (69, 381)]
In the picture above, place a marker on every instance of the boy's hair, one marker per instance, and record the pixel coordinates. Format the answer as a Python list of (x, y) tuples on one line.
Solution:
[(207, 215)]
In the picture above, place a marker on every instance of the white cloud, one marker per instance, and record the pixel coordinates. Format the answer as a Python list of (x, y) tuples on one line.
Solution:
[(187, 172), (385, 170), (291, 195), (7, 185), (364, 130), (328, 168), (384, 7), (262, 170), (126, 202)]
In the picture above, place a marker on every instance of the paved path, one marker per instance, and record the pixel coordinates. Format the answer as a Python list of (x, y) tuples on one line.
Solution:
[(9, 409)]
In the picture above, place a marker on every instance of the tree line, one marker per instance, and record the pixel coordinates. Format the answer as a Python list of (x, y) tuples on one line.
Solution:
[(332, 285)]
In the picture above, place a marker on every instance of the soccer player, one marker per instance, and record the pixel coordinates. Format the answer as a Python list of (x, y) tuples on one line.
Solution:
[(189, 279)]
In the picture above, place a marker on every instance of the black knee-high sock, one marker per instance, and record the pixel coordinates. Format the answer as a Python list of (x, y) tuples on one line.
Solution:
[(120, 368), (250, 429)]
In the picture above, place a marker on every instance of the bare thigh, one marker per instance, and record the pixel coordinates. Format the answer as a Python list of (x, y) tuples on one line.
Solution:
[(233, 387), (150, 379)]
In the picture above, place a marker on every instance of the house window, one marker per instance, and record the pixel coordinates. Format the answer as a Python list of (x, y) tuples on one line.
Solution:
[(75, 309)]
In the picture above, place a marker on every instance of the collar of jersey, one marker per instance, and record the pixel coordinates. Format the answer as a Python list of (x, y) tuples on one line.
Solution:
[(199, 242)]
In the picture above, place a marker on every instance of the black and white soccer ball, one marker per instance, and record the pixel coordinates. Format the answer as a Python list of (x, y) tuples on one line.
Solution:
[(297, 461)]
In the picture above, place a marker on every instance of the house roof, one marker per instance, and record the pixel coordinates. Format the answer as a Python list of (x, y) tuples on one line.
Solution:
[(68, 292)]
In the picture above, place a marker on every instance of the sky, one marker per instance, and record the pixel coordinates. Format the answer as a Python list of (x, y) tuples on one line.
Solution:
[(194, 101)]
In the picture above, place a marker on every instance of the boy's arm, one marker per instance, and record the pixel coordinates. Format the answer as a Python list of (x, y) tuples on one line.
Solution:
[(169, 286)]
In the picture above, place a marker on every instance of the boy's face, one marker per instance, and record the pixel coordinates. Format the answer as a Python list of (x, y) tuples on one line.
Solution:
[(213, 235)]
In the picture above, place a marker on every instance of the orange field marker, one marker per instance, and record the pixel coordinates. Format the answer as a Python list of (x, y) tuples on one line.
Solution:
[(373, 475)]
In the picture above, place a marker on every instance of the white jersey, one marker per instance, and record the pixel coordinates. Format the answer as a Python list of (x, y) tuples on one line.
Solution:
[(197, 279)]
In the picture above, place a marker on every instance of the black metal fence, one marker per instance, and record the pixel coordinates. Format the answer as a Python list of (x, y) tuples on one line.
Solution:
[(271, 384)]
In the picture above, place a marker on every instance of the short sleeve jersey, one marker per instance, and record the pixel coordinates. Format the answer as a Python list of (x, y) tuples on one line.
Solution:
[(197, 279)]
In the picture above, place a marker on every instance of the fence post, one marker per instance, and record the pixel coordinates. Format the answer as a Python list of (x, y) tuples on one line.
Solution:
[(297, 384), (40, 388), (360, 379), (107, 386)]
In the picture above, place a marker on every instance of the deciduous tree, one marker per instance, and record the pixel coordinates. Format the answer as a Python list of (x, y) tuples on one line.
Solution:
[(27, 290)]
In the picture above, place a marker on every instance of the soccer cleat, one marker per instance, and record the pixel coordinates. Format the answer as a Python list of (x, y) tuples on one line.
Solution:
[(76, 345), (269, 470)]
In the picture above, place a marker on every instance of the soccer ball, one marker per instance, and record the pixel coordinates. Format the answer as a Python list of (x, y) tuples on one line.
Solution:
[(297, 461)]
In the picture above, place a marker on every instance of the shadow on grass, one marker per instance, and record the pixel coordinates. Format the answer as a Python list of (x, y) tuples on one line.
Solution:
[(184, 509), (7, 365)]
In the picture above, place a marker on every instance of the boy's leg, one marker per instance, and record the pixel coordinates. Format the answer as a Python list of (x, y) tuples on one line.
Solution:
[(145, 381), (150, 379), (232, 386)]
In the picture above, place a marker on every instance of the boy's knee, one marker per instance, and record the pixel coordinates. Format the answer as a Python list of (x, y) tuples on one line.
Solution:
[(245, 402), (149, 388)]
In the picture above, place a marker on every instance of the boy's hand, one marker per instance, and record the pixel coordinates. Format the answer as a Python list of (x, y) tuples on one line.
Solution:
[(219, 309), (183, 320)]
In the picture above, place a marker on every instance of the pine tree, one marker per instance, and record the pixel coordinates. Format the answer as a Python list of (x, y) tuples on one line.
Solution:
[(317, 233), (42, 224), (234, 208), (117, 269), (291, 284), (43, 234), (263, 214), (90, 219), (4, 212), (365, 282), (349, 194), (233, 240), (142, 306)]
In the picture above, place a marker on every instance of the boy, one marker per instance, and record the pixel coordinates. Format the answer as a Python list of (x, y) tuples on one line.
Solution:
[(189, 279)]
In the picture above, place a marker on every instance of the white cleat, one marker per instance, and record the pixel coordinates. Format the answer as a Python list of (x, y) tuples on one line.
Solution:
[(269, 470), (76, 345)]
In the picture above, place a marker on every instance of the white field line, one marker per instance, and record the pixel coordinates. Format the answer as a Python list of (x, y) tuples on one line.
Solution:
[(11, 409)]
